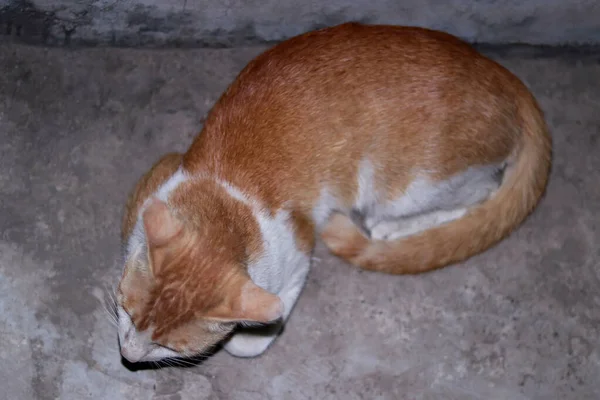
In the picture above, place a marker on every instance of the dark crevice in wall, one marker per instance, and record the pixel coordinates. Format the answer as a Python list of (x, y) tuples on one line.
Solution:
[(21, 21)]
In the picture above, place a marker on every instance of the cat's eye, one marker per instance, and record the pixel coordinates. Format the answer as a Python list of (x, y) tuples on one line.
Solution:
[(156, 344)]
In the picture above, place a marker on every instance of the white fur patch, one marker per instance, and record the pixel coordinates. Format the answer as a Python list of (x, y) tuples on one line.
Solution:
[(281, 269), (366, 196), (235, 193), (416, 196), (282, 265), (323, 208), (171, 184), (424, 203), (137, 240), (396, 229)]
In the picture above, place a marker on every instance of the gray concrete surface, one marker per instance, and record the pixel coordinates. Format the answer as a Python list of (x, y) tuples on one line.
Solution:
[(236, 22), (77, 128)]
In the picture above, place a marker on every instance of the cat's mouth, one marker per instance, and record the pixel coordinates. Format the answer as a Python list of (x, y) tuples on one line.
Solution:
[(135, 354)]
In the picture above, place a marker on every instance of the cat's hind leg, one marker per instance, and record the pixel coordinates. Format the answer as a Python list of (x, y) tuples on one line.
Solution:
[(423, 206), (399, 228), (344, 237)]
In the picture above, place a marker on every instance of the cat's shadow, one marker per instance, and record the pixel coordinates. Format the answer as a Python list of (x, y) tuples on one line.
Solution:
[(199, 360), (178, 363)]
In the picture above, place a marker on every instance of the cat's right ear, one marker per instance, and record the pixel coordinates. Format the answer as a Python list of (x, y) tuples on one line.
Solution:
[(254, 304), (160, 224)]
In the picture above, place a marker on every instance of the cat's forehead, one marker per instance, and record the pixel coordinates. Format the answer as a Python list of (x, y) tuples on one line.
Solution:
[(181, 292)]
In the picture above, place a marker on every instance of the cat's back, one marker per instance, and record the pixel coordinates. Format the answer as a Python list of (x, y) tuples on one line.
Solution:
[(352, 71), (322, 101), (346, 77), (368, 57)]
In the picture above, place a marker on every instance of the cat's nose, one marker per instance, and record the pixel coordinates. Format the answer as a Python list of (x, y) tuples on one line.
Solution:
[(131, 354)]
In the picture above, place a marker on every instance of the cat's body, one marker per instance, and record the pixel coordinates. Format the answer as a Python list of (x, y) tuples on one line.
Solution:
[(403, 147)]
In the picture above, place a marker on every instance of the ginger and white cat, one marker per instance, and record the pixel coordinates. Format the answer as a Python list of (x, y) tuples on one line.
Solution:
[(404, 149)]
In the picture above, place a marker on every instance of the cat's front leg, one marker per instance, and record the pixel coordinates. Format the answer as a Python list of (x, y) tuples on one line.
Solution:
[(253, 341)]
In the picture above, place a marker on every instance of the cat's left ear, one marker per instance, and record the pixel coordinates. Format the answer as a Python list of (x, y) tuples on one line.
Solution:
[(253, 304), (160, 225)]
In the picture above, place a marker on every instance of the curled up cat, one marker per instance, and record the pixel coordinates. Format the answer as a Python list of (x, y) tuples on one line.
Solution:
[(403, 149)]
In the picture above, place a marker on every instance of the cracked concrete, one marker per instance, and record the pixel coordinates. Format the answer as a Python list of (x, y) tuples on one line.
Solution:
[(78, 127)]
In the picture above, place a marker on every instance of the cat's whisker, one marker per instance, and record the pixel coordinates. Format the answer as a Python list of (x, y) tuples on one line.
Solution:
[(111, 318), (176, 364), (113, 297), (114, 303), (111, 300), (184, 362), (176, 361), (110, 311)]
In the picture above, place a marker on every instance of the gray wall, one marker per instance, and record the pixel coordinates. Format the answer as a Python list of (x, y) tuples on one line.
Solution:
[(230, 22)]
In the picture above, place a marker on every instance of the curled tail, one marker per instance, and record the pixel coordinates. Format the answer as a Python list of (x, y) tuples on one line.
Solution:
[(484, 225)]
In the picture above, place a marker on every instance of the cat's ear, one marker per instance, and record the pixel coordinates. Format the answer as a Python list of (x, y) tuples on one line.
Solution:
[(253, 304), (160, 224)]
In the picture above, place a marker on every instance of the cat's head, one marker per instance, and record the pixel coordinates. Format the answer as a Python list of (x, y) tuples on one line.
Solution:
[(183, 290)]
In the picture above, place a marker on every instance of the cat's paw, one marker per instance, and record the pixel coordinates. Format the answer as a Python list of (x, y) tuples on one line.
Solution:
[(393, 230), (248, 344), (343, 237)]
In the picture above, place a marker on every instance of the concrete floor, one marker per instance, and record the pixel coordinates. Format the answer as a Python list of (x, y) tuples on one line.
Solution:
[(77, 128)]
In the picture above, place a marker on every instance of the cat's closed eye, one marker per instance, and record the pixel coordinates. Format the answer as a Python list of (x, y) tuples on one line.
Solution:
[(159, 345)]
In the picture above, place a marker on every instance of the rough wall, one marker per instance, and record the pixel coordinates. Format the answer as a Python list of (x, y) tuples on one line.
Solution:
[(233, 22)]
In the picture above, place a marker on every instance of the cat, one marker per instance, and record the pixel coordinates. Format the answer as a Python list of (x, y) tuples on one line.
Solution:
[(404, 149)]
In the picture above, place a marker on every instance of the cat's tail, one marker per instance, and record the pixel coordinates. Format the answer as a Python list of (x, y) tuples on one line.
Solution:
[(523, 185)]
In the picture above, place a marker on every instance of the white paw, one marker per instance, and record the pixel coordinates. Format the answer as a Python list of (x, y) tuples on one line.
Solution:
[(393, 230), (369, 223), (384, 230), (248, 344)]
